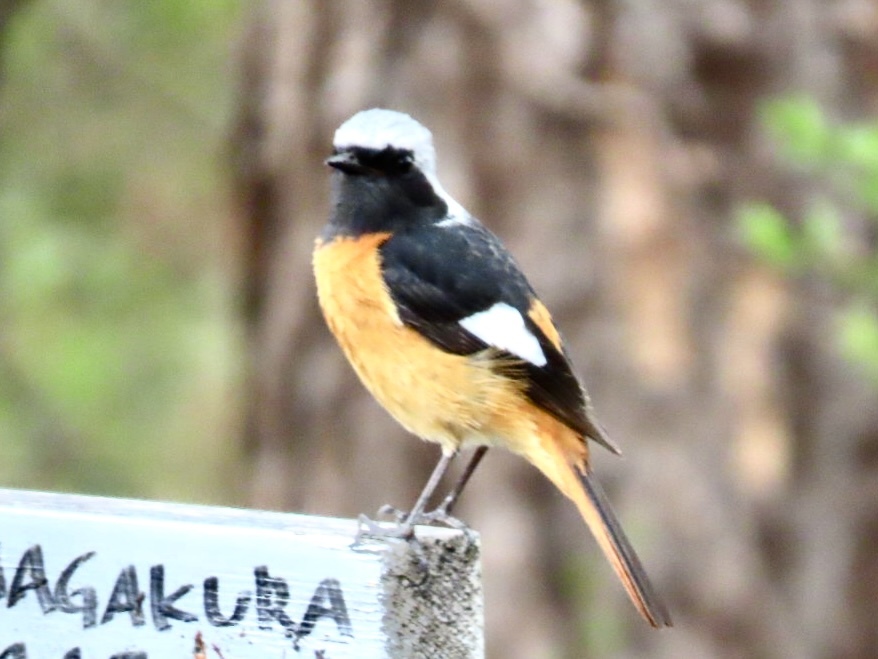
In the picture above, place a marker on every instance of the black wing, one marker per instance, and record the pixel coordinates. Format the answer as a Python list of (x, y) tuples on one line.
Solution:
[(440, 275)]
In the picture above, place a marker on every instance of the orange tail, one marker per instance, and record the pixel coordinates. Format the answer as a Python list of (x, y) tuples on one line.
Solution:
[(587, 494), (595, 509)]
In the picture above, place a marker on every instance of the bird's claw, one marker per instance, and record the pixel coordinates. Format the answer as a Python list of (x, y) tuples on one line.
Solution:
[(402, 524), (392, 512), (441, 516), (369, 528)]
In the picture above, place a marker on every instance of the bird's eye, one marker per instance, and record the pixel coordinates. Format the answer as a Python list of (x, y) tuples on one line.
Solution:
[(391, 161), (404, 163)]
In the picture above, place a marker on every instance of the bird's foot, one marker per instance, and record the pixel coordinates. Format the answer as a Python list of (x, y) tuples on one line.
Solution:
[(392, 513), (443, 517), (402, 524), (396, 526)]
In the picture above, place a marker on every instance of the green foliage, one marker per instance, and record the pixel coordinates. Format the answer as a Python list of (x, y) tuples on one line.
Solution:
[(118, 335), (770, 235), (859, 335), (843, 160), (800, 129)]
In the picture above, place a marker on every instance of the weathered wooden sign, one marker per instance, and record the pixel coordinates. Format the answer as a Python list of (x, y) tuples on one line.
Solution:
[(96, 578)]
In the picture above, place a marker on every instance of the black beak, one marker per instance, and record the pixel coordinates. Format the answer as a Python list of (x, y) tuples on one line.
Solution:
[(347, 162)]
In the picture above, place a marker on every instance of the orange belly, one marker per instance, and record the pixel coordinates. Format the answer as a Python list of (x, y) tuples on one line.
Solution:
[(450, 399)]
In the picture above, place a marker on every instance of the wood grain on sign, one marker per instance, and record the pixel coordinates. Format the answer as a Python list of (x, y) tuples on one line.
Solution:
[(96, 578)]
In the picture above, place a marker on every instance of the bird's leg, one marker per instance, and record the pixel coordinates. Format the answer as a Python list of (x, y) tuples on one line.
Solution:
[(417, 511), (444, 510), (405, 528)]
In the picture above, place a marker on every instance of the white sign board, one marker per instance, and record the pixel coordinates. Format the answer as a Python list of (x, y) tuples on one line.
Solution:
[(95, 578)]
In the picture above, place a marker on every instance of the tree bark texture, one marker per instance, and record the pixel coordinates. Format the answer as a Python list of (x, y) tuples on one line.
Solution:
[(608, 143)]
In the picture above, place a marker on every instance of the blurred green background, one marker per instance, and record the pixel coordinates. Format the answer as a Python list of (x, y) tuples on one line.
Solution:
[(841, 161), (119, 344)]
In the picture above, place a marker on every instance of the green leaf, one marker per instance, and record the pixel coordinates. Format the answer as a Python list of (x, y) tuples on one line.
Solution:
[(768, 233), (800, 128), (858, 336), (857, 145)]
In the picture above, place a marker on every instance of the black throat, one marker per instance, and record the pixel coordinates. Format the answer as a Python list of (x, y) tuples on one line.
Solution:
[(378, 199)]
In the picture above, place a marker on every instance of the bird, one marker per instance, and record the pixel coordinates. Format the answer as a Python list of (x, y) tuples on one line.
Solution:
[(447, 334)]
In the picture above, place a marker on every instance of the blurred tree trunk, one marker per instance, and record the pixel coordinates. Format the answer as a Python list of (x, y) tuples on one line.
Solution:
[(608, 143)]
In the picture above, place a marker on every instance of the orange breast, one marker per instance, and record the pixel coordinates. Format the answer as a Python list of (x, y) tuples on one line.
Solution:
[(450, 399)]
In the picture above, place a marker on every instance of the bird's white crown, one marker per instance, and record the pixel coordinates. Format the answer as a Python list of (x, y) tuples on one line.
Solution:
[(378, 128)]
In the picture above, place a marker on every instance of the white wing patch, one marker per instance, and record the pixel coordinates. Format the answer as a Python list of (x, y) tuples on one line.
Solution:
[(502, 326)]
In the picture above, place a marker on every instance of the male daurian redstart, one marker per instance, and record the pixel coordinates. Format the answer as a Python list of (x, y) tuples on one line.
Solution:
[(445, 331)]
